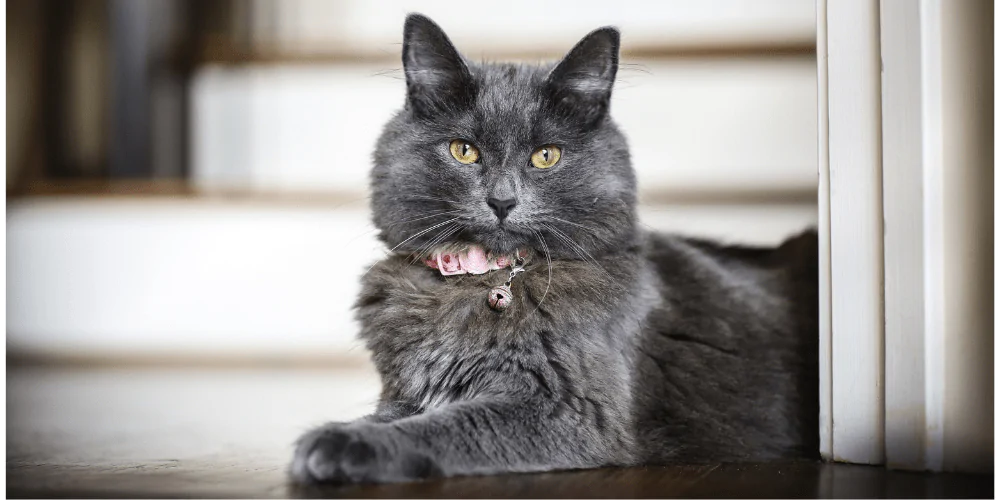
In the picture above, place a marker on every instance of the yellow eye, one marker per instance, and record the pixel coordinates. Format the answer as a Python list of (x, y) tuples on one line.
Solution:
[(546, 156), (464, 152)]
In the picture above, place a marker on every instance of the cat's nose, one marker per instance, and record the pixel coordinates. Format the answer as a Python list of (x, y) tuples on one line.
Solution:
[(501, 207)]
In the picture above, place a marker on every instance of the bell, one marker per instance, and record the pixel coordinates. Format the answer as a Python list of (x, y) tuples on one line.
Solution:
[(500, 297)]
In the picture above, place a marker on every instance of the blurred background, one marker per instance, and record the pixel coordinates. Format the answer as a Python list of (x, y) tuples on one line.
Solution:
[(187, 179)]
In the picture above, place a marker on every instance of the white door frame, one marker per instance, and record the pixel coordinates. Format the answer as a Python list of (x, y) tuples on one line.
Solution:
[(908, 340), (905, 195), (852, 189)]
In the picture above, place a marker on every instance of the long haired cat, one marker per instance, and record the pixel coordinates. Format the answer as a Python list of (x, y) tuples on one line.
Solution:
[(525, 322)]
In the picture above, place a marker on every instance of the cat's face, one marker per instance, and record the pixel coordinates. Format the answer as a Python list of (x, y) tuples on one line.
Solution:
[(505, 156)]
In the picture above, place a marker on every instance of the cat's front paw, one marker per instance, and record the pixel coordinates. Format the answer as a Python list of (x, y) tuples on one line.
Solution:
[(338, 454)]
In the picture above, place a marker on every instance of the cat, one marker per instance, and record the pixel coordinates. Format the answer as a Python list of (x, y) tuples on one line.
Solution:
[(617, 346)]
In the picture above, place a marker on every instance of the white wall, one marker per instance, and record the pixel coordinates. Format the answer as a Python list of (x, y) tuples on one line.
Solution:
[(533, 25), (966, 169)]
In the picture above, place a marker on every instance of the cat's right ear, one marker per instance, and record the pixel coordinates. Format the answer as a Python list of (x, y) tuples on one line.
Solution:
[(437, 78), (581, 83)]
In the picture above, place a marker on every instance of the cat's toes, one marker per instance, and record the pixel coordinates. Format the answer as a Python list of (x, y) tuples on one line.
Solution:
[(415, 466), (336, 456), (359, 461), (329, 455), (322, 461)]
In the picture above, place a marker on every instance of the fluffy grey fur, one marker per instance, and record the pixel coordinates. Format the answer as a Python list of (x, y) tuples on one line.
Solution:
[(621, 347)]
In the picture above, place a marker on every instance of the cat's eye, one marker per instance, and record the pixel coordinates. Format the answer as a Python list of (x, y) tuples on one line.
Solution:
[(464, 152), (546, 156)]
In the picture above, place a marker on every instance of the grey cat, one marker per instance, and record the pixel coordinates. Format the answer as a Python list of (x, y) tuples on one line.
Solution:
[(619, 347)]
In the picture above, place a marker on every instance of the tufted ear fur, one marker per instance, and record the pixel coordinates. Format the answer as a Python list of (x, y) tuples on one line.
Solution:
[(581, 83), (437, 77)]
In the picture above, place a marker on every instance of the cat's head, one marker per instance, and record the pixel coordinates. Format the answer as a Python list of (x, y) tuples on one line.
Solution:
[(506, 156)]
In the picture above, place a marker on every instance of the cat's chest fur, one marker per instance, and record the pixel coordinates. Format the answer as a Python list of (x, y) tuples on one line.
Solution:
[(435, 339)]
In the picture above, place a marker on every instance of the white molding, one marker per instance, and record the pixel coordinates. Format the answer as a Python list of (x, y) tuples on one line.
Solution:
[(825, 341), (937, 154), (854, 146), (932, 211), (903, 210)]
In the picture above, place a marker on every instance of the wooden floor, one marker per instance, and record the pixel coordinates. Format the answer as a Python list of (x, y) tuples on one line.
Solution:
[(228, 433)]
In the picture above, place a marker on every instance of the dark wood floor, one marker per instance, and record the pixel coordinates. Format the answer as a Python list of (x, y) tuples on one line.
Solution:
[(229, 434), (715, 481)]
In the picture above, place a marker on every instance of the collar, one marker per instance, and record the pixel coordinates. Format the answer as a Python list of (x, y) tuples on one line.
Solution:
[(470, 260)]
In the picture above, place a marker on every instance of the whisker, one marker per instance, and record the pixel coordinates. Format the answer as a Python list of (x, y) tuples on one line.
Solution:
[(586, 256), (565, 239), (401, 243), (393, 249), (422, 249), (414, 219), (425, 197), (589, 231), (592, 262), (350, 201), (444, 234), (364, 233), (548, 263), (453, 230), (568, 222)]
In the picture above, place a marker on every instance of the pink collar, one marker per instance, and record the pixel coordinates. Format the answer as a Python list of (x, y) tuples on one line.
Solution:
[(472, 260)]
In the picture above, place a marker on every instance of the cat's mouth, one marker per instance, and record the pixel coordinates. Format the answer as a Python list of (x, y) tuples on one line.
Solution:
[(501, 240)]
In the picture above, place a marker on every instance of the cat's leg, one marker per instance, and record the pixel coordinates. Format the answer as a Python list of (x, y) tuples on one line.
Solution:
[(387, 411), (472, 437)]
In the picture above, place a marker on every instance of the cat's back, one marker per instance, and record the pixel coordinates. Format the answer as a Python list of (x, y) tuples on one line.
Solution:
[(771, 287), (727, 365), (696, 261)]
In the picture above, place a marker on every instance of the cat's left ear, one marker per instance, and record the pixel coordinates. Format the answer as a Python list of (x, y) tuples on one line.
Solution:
[(582, 81), (437, 77)]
